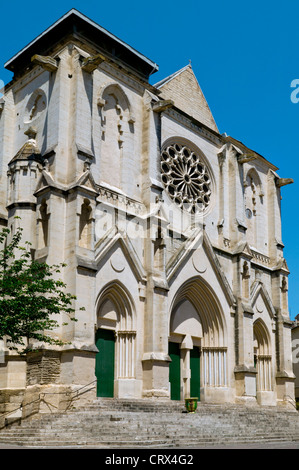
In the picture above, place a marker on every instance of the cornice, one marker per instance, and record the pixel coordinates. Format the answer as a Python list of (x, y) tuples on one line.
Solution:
[(194, 125)]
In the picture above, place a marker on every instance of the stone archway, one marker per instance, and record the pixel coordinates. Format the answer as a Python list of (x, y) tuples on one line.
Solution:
[(262, 360), (197, 341), (116, 337)]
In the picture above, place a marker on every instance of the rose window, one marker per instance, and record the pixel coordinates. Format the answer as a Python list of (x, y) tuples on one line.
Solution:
[(186, 178)]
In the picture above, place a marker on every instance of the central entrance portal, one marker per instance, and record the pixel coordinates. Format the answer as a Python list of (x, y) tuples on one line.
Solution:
[(195, 372), (197, 344), (185, 364), (184, 351), (175, 371)]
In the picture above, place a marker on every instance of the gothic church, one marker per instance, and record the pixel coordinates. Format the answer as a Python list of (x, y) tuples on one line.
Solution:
[(171, 231)]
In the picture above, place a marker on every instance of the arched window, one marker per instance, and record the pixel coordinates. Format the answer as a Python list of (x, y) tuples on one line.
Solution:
[(187, 176)]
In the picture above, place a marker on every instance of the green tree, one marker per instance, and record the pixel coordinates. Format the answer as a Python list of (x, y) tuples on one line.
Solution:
[(30, 294)]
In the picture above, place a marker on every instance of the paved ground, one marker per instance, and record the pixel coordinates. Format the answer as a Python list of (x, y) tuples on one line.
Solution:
[(265, 445)]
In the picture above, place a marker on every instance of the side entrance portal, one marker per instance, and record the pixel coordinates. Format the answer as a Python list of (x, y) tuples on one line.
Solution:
[(105, 342)]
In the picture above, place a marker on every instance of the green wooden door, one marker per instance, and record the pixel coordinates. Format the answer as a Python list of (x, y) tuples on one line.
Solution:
[(105, 342), (175, 371), (195, 372)]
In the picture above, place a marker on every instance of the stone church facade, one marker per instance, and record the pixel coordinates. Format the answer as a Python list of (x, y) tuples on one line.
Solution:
[(170, 230)]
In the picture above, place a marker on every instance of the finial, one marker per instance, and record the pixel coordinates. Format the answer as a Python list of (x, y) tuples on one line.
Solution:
[(31, 132)]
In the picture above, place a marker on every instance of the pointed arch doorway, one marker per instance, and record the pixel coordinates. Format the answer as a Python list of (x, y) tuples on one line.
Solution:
[(105, 342), (115, 339), (197, 342), (262, 361), (184, 352)]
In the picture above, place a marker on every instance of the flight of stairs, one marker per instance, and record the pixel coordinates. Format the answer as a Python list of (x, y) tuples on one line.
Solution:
[(116, 423)]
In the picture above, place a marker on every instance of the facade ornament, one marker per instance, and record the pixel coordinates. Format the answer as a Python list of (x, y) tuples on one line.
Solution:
[(91, 63), (186, 178), (162, 105), (283, 182), (46, 62)]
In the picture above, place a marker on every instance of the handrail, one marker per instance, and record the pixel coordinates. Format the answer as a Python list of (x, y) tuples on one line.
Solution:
[(19, 408), (68, 392), (41, 397), (290, 400)]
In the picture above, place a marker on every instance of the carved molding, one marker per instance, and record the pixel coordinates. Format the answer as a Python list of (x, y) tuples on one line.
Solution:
[(162, 105), (91, 63), (260, 257), (46, 62), (283, 182)]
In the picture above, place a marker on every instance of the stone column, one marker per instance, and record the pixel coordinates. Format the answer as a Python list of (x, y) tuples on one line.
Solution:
[(285, 377), (245, 372), (186, 346), (155, 358)]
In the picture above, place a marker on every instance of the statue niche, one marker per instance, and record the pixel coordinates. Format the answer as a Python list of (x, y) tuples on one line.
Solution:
[(116, 133), (85, 225)]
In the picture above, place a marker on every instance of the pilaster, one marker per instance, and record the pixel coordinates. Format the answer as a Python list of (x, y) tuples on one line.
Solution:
[(245, 372)]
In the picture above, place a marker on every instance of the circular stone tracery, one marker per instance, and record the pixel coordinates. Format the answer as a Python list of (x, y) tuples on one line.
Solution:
[(186, 178)]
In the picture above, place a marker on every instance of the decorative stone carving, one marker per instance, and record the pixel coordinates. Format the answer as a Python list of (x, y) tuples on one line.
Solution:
[(46, 62), (185, 177), (197, 263), (283, 182), (89, 64), (162, 105), (117, 264)]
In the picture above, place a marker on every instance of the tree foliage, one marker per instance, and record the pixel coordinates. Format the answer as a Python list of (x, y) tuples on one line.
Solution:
[(30, 294)]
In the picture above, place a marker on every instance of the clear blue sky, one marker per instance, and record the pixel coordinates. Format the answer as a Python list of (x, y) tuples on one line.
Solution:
[(245, 56)]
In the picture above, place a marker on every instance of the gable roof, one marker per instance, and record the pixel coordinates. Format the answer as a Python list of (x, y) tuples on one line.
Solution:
[(183, 88), (75, 24)]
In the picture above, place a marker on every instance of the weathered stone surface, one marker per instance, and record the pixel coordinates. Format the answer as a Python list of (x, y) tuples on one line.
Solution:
[(102, 198)]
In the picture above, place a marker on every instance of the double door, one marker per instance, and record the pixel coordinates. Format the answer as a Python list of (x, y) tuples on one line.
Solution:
[(179, 388)]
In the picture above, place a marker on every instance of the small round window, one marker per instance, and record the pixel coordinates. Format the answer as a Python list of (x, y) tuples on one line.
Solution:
[(185, 177)]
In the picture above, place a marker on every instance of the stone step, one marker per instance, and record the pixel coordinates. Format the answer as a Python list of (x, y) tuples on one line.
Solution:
[(145, 423), (170, 442), (152, 429), (174, 434), (185, 440)]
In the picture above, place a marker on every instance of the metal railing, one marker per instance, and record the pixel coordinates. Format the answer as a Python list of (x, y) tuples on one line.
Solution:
[(71, 394), (291, 400)]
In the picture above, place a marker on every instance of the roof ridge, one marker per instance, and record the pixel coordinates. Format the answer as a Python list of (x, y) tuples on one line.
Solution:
[(173, 75)]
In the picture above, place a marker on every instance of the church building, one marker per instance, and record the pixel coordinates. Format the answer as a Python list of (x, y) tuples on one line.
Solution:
[(171, 230)]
